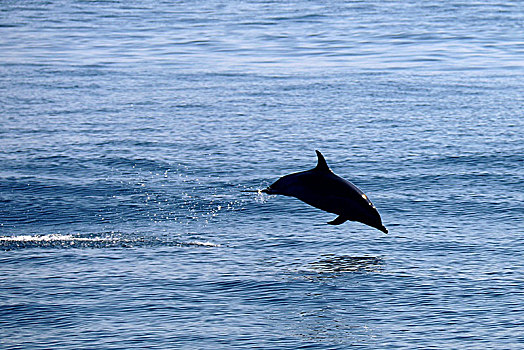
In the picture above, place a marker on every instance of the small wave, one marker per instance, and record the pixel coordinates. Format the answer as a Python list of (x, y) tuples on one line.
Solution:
[(203, 244), (51, 238), (92, 241)]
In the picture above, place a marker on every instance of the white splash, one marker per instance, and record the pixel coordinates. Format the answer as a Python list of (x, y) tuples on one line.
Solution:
[(203, 244), (70, 239), (53, 238)]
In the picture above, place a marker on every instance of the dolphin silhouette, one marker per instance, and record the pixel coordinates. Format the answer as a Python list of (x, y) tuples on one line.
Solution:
[(322, 189)]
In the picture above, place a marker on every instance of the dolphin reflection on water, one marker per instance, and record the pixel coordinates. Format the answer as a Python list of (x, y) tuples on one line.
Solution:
[(322, 189), (339, 264)]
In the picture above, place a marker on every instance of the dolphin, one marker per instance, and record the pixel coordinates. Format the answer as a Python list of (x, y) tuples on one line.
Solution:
[(322, 189)]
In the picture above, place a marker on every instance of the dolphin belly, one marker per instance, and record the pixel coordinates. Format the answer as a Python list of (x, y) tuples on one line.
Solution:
[(347, 209)]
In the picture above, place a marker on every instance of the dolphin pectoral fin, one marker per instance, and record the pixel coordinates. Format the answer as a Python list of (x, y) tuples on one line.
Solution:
[(339, 220)]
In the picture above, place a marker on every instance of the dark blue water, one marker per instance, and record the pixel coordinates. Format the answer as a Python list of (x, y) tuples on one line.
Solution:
[(128, 130)]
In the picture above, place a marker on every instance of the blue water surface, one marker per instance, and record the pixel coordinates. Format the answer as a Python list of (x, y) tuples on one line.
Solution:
[(128, 130)]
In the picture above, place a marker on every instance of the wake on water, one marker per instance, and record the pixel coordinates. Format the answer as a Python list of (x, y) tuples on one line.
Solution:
[(103, 240)]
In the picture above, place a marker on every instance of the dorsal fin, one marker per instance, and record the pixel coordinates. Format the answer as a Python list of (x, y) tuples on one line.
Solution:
[(321, 165)]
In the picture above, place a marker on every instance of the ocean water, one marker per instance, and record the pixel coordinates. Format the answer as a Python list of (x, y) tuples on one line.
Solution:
[(128, 130)]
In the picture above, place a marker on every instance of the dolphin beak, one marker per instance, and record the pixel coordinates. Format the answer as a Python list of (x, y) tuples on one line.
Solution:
[(269, 190), (383, 229)]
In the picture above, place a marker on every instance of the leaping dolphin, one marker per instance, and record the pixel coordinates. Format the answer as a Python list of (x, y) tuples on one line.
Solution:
[(321, 188)]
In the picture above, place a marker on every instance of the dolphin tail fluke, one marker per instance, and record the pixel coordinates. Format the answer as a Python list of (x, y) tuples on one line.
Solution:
[(339, 220)]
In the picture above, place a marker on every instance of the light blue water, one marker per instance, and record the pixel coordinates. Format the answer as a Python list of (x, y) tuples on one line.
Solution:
[(128, 130)]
